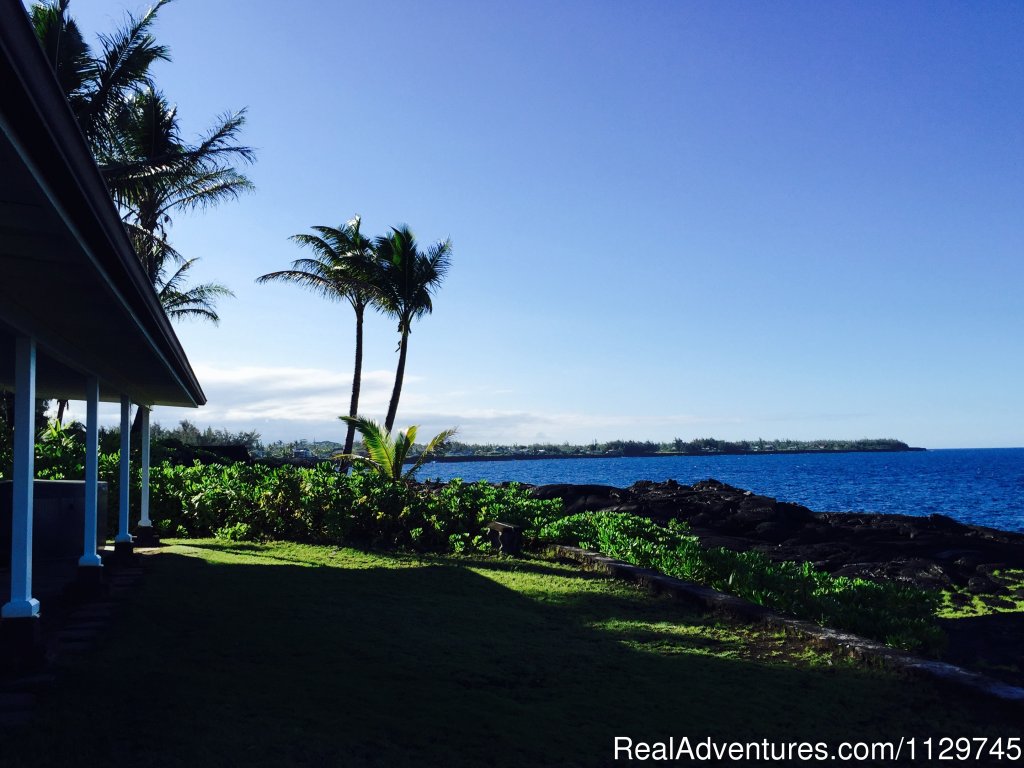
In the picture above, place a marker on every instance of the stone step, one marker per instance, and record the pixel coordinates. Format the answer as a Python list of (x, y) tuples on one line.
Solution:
[(93, 610), (15, 702), (15, 719), (95, 626), (76, 635), (72, 647), (30, 683)]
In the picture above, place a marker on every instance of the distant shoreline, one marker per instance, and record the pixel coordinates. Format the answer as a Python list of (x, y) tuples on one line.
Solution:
[(653, 455)]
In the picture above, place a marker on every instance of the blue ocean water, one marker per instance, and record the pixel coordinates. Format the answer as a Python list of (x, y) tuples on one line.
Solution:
[(978, 486)]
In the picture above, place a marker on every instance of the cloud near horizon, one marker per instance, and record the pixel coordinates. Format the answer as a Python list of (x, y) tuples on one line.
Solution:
[(292, 403)]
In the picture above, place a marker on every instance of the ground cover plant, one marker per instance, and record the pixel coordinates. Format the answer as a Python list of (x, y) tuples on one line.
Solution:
[(960, 603), (898, 614), (241, 653)]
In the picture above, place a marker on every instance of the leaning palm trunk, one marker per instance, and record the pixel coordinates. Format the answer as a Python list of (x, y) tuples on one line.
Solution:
[(342, 268), (396, 393), (357, 375), (408, 279)]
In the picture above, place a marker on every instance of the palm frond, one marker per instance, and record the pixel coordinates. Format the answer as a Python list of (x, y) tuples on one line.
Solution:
[(123, 64), (196, 301), (312, 281), (377, 443), (403, 445), (65, 49), (387, 454)]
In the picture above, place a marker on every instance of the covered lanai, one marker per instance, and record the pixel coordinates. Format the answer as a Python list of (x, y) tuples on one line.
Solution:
[(78, 317)]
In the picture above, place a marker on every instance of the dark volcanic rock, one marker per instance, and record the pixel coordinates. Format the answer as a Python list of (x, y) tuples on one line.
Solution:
[(581, 498)]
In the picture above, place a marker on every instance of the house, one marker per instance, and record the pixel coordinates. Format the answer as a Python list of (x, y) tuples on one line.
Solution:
[(78, 317)]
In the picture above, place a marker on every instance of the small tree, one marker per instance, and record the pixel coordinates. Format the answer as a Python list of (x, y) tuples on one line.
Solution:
[(387, 455)]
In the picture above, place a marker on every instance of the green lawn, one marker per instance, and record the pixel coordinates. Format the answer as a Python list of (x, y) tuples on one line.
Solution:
[(284, 654)]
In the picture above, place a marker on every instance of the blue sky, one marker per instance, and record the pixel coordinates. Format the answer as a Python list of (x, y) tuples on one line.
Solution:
[(670, 219)]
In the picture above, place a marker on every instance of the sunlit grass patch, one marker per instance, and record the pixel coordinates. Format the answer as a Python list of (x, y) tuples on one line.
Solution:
[(960, 603)]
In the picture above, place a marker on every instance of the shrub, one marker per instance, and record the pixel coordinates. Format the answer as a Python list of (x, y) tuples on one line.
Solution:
[(236, 532)]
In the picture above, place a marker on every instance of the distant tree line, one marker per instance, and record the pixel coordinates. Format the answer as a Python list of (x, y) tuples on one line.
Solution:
[(698, 447)]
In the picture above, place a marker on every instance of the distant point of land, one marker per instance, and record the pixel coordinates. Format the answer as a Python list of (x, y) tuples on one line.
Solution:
[(455, 451)]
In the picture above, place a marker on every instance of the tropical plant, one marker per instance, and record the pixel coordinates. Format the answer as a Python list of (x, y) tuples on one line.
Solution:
[(343, 268), (387, 455), (408, 280)]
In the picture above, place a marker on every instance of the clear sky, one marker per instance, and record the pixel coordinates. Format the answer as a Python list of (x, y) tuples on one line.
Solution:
[(670, 219)]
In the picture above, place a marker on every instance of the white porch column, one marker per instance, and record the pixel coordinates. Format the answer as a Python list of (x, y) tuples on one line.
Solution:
[(144, 501), (22, 604), (90, 557), (123, 537)]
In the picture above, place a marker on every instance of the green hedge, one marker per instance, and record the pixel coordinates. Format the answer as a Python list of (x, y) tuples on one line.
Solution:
[(897, 614), (321, 504)]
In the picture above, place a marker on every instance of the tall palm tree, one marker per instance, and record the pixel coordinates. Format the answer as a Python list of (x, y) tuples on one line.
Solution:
[(409, 278), (343, 268)]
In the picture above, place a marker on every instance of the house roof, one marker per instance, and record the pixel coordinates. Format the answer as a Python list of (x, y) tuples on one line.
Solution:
[(69, 276)]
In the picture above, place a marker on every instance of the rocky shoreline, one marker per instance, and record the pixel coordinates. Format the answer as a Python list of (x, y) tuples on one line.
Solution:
[(932, 552)]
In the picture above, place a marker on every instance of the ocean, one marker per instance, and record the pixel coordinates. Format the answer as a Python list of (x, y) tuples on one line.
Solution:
[(977, 486)]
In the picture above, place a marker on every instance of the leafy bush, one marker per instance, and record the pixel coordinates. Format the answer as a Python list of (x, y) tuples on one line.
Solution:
[(236, 532), (897, 614), (60, 454)]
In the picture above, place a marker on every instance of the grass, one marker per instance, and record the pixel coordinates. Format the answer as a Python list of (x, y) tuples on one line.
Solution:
[(960, 603), (285, 654)]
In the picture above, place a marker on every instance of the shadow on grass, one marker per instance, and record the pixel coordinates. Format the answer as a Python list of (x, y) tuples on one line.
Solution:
[(277, 665)]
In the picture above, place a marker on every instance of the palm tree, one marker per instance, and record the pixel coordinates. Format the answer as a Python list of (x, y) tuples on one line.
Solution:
[(343, 269), (387, 455), (133, 133), (408, 280)]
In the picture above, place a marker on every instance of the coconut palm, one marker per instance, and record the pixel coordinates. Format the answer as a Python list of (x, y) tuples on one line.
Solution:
[(133, 133), (343, 268), (387, 455), (408, 279)]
